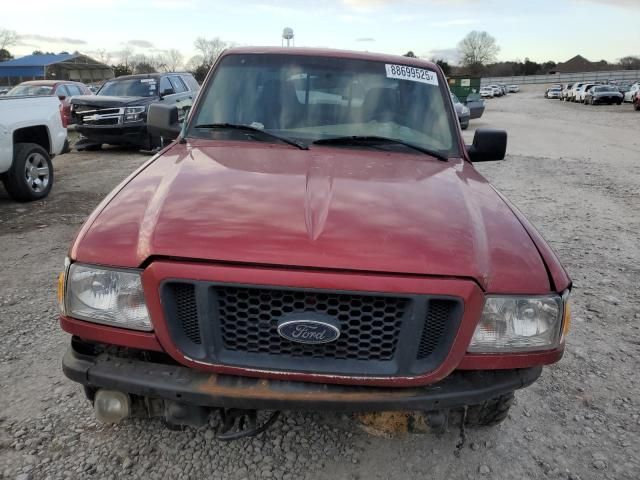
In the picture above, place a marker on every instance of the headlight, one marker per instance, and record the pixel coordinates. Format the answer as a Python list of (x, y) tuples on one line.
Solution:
[(465, 110), (111, 297), (133, 114), (519, 324)]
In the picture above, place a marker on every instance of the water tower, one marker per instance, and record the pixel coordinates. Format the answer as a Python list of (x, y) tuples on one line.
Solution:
[(287, 34)]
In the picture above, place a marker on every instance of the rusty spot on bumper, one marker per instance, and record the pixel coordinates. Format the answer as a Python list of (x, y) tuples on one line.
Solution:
[(267, 389)]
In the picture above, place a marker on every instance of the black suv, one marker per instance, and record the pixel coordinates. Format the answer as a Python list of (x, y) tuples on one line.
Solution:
[(117, 114)]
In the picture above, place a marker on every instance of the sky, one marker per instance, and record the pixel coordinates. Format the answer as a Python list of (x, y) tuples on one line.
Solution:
[(538, 29)]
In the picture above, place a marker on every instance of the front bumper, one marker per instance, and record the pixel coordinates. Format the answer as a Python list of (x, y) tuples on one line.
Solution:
[(134, 134), (608, 99), (173, 382)]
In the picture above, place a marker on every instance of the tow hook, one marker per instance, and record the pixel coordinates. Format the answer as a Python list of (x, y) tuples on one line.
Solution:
[(238, 423)]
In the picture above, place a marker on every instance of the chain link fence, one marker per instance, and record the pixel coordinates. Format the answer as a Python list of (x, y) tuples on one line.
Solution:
[(621, 76)]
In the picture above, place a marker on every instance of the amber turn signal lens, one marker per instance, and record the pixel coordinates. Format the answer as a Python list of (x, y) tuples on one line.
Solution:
[(61, 292), (566, 321)]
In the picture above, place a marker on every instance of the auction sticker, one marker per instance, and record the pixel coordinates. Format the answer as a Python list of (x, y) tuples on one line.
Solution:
[(413, 74)]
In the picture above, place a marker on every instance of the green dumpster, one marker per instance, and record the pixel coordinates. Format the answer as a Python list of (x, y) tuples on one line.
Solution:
[(463, 86)]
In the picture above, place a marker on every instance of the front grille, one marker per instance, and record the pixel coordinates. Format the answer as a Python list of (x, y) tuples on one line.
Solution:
[(438, 315), (184, 296), (92, 116), (369, 325), (380, 334)]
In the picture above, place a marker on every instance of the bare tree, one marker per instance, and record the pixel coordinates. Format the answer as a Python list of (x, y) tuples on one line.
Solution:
[(210, 50), (124, 56), (478, 49), (194, 62), (104, 56), (8, 38), (173, 60), (141, 63), (630, 63)]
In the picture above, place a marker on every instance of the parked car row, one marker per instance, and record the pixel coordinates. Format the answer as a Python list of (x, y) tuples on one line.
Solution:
[(595, 93), (498, 90), (114, 112)]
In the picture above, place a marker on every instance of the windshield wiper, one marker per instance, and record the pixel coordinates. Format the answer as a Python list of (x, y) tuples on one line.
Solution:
[(250, 128), (360, 139)]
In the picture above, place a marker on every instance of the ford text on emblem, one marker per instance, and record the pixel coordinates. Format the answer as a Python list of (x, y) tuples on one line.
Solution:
[(308, 328)]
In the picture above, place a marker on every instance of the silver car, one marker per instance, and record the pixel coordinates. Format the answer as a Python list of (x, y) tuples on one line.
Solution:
[(464, 114)]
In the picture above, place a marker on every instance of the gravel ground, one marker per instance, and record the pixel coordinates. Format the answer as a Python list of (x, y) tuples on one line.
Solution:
[(573, 170)]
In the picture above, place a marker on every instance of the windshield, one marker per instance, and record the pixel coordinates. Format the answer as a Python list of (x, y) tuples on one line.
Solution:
[(39, 90), (313, 98), (133, 87)]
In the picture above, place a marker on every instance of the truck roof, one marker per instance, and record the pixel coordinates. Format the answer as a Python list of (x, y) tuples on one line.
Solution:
[(328, 52), (46, 82), (146, 75)]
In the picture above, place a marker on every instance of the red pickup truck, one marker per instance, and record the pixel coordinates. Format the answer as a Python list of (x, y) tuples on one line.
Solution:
[(317, 238)]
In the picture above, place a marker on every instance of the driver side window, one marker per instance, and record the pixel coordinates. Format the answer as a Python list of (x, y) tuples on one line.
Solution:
[(165, 85), (62, 91)]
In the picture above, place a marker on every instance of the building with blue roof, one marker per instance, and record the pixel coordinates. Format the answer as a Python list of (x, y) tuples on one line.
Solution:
[(64, 66)]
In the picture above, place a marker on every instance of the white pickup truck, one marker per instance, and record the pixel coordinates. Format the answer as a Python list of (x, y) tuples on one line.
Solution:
[(31, 134)]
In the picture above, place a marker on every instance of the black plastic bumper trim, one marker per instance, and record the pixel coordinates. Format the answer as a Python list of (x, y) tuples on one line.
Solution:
[(178, 383)]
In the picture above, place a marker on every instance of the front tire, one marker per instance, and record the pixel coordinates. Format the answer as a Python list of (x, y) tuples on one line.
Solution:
[(491, 412), (31, 175)]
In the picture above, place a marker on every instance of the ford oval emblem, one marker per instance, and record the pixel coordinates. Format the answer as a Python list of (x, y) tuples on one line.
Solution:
[(308, 328)]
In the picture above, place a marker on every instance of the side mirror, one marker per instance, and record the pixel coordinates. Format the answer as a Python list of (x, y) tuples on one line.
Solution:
[(488, 145), (162, 121), (167, 91)]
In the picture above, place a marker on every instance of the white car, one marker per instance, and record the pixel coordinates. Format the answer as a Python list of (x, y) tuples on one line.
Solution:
[(31, 134), (486, 92), (497, 91), (633, 91), (571, 96), (582, 91), (554, 93), (513, 88)]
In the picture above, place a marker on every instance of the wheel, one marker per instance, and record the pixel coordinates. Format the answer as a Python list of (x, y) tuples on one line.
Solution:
[(491, 412), (31, 175)]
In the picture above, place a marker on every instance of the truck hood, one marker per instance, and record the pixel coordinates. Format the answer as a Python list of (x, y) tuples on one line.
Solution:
[(332, 208), (104, 101)]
